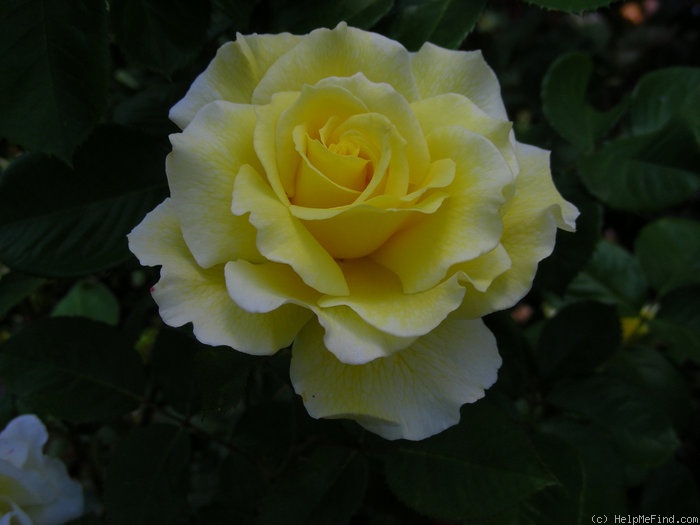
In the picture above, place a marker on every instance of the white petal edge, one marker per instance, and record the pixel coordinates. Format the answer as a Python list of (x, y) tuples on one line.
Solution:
[(412, 394)]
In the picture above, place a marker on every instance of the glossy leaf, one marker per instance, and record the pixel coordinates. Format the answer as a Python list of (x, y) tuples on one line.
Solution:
[(475, 470), (172, 362), (92, 300), (645, 173), (302, 16), (669, 251), (663, 96), (221, 375), (564, 102), (238, 495), (597, 336), (443, 22), (77, 220), (613, 276), (572, 250), (677, 324), (575, 6), (14, 287), (72, 368), (53, 72), (326, 489), (160, 35), (146, 479), (639, 426), (603, 488)]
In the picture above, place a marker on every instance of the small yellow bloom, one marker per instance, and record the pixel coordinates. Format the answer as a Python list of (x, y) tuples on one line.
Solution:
[(367, 205)]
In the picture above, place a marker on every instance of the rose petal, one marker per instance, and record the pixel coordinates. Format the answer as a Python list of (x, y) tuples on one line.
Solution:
[(281, 236), (264, 287), (467, 224), (438, 70), (530, 220), (188, 293), (244, 60), (201, 169), (413, 394), (377, 297), (451, 109), (340, 52)]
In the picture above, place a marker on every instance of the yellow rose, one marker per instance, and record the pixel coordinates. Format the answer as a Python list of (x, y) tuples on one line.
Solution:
[(34, 489), (366, 205)]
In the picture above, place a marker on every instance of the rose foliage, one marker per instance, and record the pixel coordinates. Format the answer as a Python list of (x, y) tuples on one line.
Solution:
[(362, 203), (34, 488)]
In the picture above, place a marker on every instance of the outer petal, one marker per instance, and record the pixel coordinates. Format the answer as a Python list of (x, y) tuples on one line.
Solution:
[(438, 70), (340, 52), (530, 220), (412, 394), (264, 287), (188, 293), (282, 238), (377, 297), (233, 74), (465, 226), (201, 169)]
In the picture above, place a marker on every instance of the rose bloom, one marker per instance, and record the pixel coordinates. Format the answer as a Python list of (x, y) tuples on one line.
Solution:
[(34, 488), (364, 204)]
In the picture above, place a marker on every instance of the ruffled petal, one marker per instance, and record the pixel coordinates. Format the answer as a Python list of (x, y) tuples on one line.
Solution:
[(201, 169), (188, 293), (340, 52), (451, 109), (465, 226), (233, 74), (438, 70), (530, 221), (282, 238), (377, 297), (412, 394)]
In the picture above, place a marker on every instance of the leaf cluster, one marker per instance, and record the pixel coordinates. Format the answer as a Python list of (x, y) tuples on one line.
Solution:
[(596, 407)]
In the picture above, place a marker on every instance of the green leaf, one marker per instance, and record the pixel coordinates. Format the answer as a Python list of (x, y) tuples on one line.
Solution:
[(14, 287), (661, 383), (603, 488), (669, 250), (478, 469), (266, 431), (173, 367), (75, 223), (72, 368), (572, 250), (663, 96), (326, 489), (645, 173), (564, 502), (564, 102), (89, 299), (597, 330), (443, 22), (53, 72), (162, 35), (670, 490), (638, 424), (146, 480), (613, 276), (240, 490), (148, 110), (302, 16), (221, 375), (575, 6), (677, 324)]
